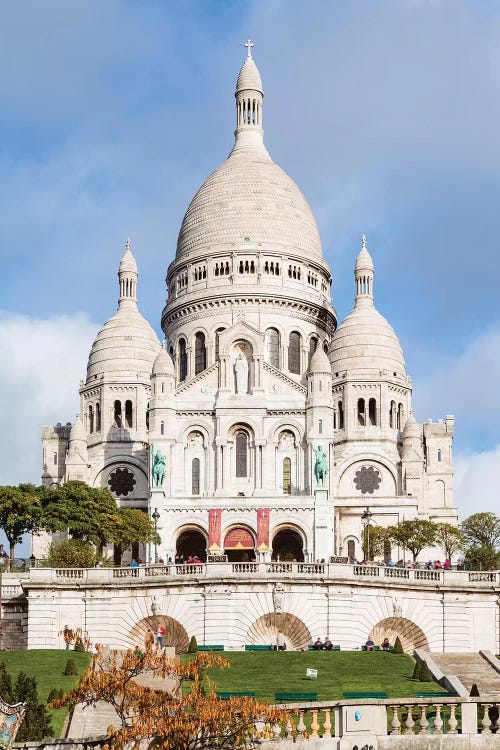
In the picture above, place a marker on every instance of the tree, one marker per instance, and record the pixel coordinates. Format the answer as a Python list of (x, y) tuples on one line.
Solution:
[(481, 530), (36, 724), (87, 513), (71, 553), (6, 691), (130, 525), (413, 535), (177, 722), (398, 646), (450, 538), (481, 558), (20, 512), (373, 541)]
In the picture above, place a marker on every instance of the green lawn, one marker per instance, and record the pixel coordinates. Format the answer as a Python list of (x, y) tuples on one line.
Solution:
[(47, 666), (267, 672)]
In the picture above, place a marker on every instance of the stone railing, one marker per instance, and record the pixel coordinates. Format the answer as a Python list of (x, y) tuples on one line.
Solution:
[(300, 570)]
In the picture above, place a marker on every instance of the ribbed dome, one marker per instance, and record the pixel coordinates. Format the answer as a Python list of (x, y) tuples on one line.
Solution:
[(127, 263), (163, 364), (77, 432), (319, 361), (365, 343), (249, 196), (249, 76), (364, 261), (412, 429), (125, 346)]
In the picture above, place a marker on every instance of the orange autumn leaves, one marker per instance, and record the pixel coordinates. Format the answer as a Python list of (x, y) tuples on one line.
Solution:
[(192, 722)]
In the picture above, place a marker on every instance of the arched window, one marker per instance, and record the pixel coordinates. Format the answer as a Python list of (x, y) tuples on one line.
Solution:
[(287, 476), (98, 417), (361, 412), (400, 417), (241, 454), (55, 459), (320, 426), (183, 362), (128, 414), (91, 419), (351, 550), (340, 409), (217, 337), (195, 476), (372, 411), (392, 415), (117, 414), (294, 353), (147, 416), (162, 428), (439, 454), (273, 347), (313, 345), (200, 353)]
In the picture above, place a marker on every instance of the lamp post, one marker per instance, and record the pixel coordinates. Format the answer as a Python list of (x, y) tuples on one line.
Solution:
[(366, 517), (155, 516)]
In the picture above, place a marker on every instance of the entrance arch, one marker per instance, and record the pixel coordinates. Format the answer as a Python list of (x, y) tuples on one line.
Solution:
[(410, 635), (190, 542), (239, 545), (288, 545), (265, 629), (175, 633)]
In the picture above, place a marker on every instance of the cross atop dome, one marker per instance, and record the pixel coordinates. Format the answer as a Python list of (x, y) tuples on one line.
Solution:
[(249, 44), (363, 241)]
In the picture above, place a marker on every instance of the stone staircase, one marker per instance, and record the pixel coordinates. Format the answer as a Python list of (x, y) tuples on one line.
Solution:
[(470, 669)]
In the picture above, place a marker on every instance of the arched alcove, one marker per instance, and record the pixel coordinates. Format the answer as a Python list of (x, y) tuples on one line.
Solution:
[(288, 545), (191, 542), (175, 633), (410, 635), (265, 629)]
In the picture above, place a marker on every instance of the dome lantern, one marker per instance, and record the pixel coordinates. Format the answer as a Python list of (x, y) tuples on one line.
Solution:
[(127, 277), (249, 97), (363, 274)]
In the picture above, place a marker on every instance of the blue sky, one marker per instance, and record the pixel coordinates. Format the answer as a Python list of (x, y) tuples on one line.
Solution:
[(386, 114)]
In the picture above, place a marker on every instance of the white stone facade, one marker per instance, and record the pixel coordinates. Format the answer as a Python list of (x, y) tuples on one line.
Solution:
[(254, 378)]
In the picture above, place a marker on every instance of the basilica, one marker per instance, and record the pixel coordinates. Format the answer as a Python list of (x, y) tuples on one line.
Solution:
[(260, 428)]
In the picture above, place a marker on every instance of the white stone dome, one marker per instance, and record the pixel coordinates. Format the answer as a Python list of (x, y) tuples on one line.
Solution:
[(412, 429), (77, 432), (319, 361), (163, 364), (249, 196), (249, 77), (366, 343), (125, 345)]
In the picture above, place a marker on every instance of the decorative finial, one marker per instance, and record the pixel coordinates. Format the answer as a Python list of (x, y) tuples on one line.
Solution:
[(363, 242), (163, 343), (249, 44), (128, 245)]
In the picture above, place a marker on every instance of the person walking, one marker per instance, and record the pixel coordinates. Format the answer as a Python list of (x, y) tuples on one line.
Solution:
[(160, 633), (149, 640)]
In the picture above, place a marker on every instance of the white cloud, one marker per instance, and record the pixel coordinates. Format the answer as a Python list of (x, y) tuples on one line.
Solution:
[(41, 365), (476, 482)]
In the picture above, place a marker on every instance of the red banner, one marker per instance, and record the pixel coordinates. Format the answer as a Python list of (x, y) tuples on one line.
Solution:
[(214, 529), (238, 539), (263, 528)]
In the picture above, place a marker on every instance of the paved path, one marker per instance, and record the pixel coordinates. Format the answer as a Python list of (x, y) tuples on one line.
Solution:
[(470, 669)]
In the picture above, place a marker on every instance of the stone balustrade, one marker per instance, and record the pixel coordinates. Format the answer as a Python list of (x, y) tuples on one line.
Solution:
[(262, 570)]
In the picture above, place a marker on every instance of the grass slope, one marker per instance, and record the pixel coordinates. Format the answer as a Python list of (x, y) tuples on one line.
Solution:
[(338, 672), (47, 666)]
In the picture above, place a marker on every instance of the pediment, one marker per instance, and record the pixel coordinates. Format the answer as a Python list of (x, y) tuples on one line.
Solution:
[(204, 385), (244, 330)]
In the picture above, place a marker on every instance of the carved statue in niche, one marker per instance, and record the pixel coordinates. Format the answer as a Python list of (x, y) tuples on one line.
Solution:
[(278, 597), (397, 606), (286, 440), (241, 373), (320, 466), (195, 440)]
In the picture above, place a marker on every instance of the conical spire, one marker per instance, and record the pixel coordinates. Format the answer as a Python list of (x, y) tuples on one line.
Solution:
[(249, 98), (363, 274), (127, 277)]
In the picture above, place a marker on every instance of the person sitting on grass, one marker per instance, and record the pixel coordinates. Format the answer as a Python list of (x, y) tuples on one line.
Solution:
[(385, 644), (370, 646), (318, 644)]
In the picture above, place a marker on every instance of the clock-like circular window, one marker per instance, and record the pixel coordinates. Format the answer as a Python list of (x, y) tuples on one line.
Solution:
[(121, 482), (367, 480)]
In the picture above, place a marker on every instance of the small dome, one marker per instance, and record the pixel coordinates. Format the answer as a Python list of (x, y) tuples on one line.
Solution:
[(365, 343), (364, 260), (319, 361), (249, 76), (163, 364), (127, 263), (412, 429), (77, 431), (125, 346)]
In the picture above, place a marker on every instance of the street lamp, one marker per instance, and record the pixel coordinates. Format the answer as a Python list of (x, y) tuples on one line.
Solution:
[(155, 516), (366, 517)]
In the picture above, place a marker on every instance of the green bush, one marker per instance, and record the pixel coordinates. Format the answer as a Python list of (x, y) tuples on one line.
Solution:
[(79, 646), (474, 691), (72, 553), (398, 648), (425, 673), (36, 723), (417, 671), (193, 645), (55, 694), (70, 668)]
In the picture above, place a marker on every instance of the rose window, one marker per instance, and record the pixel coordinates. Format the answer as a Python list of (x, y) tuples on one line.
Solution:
[(121, 482), (367, 480)]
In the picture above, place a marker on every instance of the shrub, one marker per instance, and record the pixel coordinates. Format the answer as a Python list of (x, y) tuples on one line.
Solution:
[(474, 691), (70, 668), (55, 694), (193, 645), (425, 673), (417, 671), (71, 553), (79, 645), (398, 648), (36, 724)]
